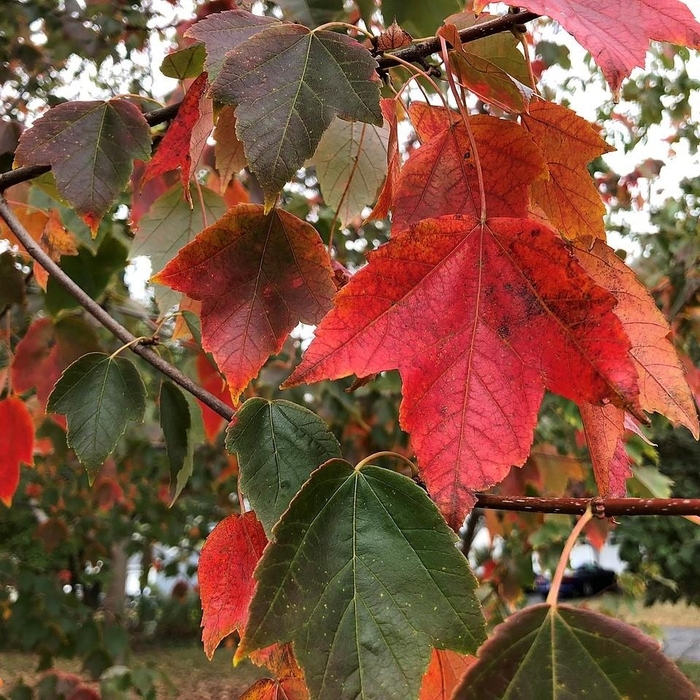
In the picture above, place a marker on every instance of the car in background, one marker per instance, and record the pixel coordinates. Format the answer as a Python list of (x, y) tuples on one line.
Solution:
[(581, 582)]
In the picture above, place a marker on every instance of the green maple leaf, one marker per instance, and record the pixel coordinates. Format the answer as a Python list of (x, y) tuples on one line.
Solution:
[(363, 576), (99, 395), (278, 445), (563, 652)]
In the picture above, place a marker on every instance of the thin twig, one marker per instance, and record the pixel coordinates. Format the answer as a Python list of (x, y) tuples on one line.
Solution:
[(90, 305), (602, 507)]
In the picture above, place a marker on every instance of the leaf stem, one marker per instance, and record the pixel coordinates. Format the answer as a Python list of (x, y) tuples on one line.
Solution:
[(387, 453), (344, 25), (92, 307), (553, 594), (465, 118)]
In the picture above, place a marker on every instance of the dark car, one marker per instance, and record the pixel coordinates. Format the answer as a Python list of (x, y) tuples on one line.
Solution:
[(583, 581)]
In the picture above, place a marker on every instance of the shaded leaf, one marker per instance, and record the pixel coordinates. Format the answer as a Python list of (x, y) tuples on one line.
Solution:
[(500, 49), (56, 241), (46, 350), (257, 275), (569, 197), (170, 224), (92, 273), (99, 395), (632, 23), (312, 13), (210, 378), (418, 17), (230, 158), (455, 306), (351, 166), (225, 573), (12, 290), (483, 77), (441, 178), (221, 31), (183, 430), (16, 444), (288, 84), (278, 445), (393, 156), (90, 147), (183, 144), (489, 82), (185, 63), (545, 652), (368, 545)]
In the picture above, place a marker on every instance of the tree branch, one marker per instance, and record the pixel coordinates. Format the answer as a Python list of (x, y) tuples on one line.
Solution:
[(602, 507), (90, 305), (420, 51)]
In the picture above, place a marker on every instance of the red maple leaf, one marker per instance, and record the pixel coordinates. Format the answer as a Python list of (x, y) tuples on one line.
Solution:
[(225, 573), (16, 444), (617, 32), (257, 275), (479, 319), (441, 176), (184, 141), (444, 672), (662, 384), (393, 158)]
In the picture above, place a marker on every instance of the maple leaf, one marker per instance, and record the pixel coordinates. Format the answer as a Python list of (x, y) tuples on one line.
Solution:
[(604, 427), (223, 30), (229, 154), (278, 445), (16, 444), (226, 584), (569, 197), (46, 350), (90, 147), (418, 17), (444, 673), (483, 77), (617, 33), (169, 225), (210, 378), (479, 320), (185, 138), (99, 395), (334, 538), (441, 177), (257, 275), (350, 166), (288, 83), (662, 384), (501, 49), (562, 652), (393, 157)]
